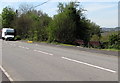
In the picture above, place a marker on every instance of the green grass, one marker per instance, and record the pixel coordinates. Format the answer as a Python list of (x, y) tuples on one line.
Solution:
[(111, 49), (56, 43), (42, 41), (66, 45), (62, 44)]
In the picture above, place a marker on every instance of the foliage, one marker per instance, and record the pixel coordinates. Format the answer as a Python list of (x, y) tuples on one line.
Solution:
[(62, 29), (32, 24), (38, 30), (8, 15), (70, 24), (0, 21), (105, 35), (17, 37), (22, 26), (114, 41), (95, 38)]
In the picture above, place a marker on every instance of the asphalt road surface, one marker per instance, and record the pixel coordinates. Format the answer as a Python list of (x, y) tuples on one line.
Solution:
[(32, 62)]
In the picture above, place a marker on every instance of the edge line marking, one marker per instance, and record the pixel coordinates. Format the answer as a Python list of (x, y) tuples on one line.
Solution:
[(8, 76)]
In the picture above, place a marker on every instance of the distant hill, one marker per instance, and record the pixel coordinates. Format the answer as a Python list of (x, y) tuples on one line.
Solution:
[(110, 29)]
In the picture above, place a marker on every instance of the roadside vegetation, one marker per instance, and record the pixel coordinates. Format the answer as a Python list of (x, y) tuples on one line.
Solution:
[(68, 26), (111, 40)]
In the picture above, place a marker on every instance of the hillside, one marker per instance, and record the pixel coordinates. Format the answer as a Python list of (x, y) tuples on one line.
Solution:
[(110, 29)]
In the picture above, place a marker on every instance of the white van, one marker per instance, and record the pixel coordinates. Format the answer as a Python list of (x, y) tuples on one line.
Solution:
[(8, 34)]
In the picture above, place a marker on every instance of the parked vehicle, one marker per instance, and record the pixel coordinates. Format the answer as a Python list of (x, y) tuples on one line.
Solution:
[(8, 34)]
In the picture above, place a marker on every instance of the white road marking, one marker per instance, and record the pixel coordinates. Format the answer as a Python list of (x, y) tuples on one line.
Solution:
[(43, 52), (20, 46), (35, 50), (98, 67), (50, 54), (10, 44), (13, 44), (26, 48), (8, 76), (36, 44)]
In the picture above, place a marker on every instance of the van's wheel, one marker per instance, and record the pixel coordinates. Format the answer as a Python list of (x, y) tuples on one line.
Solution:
[(3, 38), (6, 39)]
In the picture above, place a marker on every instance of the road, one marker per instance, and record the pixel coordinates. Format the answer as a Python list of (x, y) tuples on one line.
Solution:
[(0, 60), (37, 62)]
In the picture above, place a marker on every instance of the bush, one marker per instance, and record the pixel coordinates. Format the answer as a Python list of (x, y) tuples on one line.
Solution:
[(112, 43), (17, 37)]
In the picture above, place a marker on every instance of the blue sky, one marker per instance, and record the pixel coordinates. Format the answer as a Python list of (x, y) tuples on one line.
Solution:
[(103, 13)]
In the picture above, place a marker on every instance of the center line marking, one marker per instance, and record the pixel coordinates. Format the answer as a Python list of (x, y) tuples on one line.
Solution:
[(50, 54), (26, 48), (20, 46), (98, 67), (43, 52), (35, 50)]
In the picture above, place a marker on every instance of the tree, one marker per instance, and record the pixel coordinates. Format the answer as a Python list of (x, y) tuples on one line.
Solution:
[(25, 8), (70, 24), (40, 22), (7, 17), (31, 24), (61, 8), (0, 21), (95, 38), (23, 25), (66, 24)]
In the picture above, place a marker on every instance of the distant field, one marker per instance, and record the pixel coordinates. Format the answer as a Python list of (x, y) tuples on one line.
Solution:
[(109, 33), (105, 35)]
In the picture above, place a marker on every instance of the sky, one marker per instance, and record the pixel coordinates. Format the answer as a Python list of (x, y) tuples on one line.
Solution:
[(103, 12)]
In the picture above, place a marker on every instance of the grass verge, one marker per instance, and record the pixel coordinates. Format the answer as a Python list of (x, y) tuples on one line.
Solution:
[(56, 43), (111, 49)]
